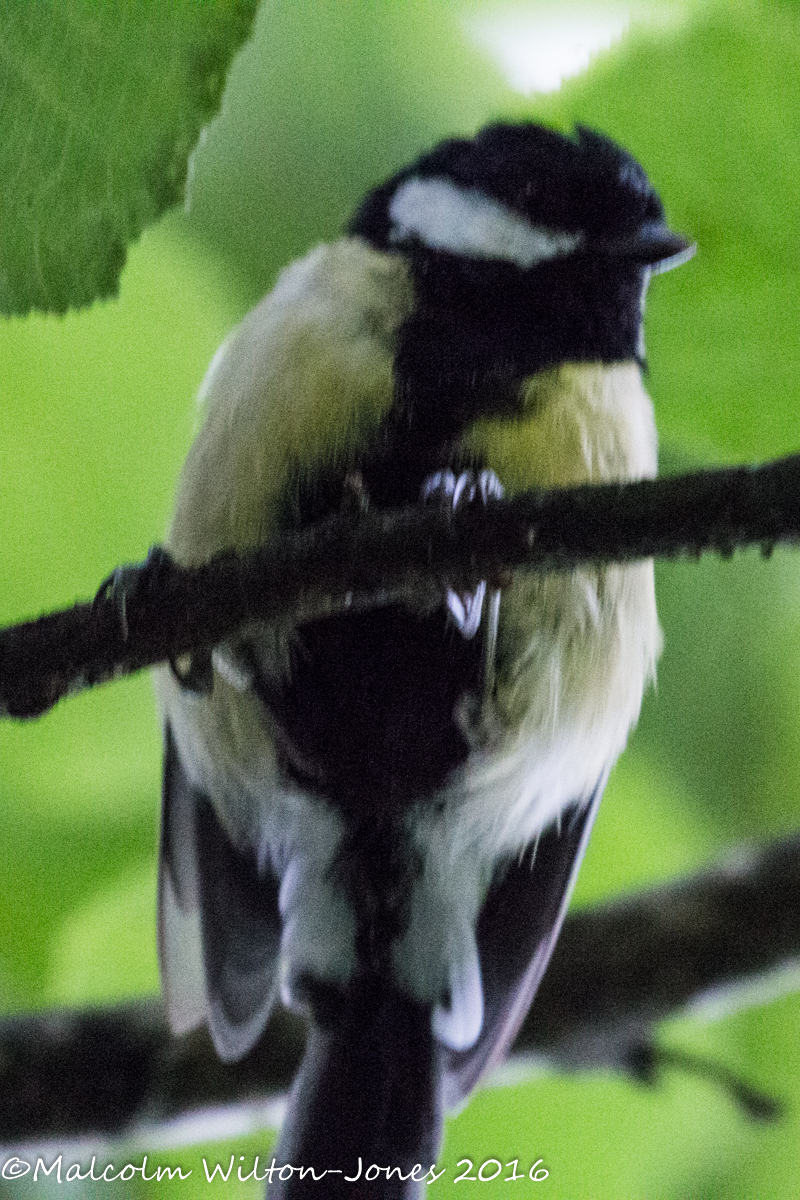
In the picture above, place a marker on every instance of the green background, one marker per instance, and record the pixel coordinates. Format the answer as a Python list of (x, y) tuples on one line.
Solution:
[(98, 413)]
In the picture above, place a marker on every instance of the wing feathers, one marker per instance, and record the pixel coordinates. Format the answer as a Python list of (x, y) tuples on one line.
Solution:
[(215, 909), (517, 930), (241, 938)]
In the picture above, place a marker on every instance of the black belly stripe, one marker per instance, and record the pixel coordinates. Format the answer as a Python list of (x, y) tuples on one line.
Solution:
[(367, 723), (369, 707), (367, 715)]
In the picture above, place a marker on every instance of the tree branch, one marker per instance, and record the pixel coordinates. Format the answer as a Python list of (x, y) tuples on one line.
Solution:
[(728, 936), (156, 611)]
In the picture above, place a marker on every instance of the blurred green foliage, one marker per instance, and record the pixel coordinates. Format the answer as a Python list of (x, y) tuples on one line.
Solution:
[(100, 106), (327, 99)]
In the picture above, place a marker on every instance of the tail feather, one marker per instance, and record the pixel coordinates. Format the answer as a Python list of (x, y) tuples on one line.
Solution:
[(366, 1104)]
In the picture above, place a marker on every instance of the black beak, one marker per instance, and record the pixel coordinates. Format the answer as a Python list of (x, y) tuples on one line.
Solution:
[(652, 245)]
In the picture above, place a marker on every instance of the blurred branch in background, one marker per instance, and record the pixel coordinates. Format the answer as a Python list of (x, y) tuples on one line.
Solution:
[(723, 939), (155, 611)]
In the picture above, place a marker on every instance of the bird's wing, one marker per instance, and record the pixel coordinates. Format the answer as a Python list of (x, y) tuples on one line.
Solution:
[(219, 926), (517, 930)]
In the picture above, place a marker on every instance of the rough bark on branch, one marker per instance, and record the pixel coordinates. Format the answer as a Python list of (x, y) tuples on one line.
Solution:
[(617, 970), (159, 612)]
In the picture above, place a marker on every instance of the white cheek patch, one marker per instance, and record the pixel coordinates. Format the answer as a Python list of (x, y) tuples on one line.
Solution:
[(466, 222)]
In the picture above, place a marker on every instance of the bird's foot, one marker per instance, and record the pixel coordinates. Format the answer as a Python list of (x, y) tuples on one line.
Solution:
[(129, 583), (127, 586), (465, 608)]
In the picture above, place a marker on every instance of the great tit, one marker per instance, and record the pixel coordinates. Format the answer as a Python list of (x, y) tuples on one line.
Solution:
[(378, 817)]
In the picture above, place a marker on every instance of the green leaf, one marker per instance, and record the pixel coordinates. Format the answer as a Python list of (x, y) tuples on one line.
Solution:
[(100, 107)]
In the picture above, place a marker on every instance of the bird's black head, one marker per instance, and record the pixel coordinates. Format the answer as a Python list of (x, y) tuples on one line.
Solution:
[(527, 248)]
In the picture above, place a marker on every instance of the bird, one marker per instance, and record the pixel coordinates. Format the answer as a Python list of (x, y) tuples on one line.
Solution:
[(377, 817)]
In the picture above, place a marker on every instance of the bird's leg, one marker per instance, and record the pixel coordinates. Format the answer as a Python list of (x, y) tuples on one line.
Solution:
[(355, 496), (471, 611)]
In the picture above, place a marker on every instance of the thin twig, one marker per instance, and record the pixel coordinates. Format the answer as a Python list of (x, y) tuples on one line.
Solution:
[(349, 561)]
